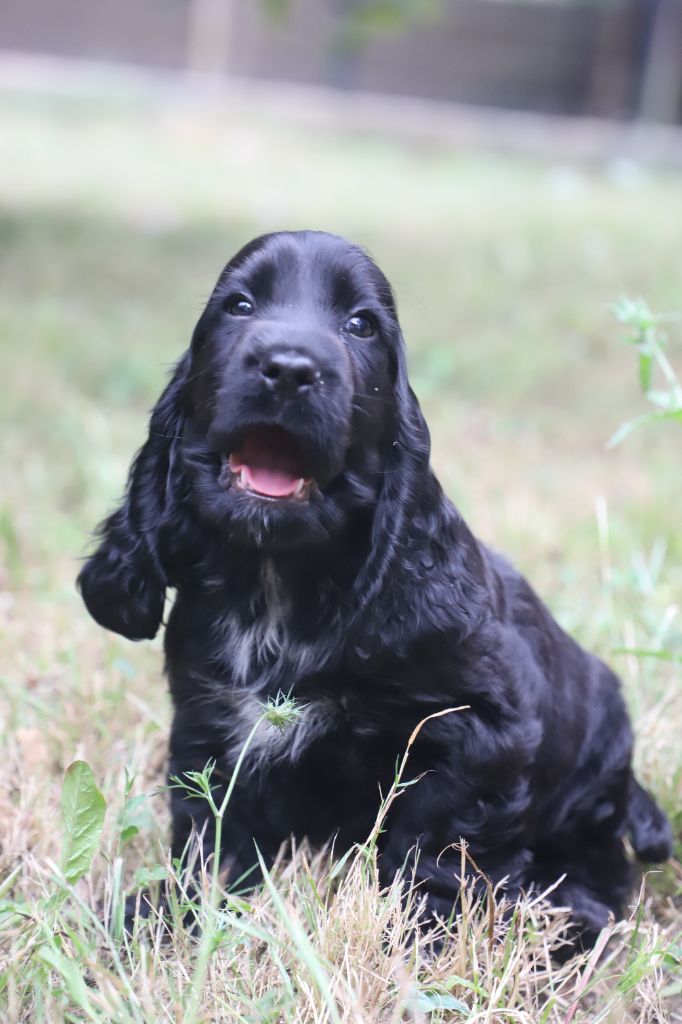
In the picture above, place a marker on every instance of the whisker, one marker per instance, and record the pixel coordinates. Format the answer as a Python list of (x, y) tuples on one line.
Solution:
[(169, 437), (373, 398)]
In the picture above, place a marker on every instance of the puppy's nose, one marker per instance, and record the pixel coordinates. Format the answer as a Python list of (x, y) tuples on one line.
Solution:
[(288, 374)]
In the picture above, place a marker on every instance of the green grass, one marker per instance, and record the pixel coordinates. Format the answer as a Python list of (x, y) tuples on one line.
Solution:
[(115, 219)]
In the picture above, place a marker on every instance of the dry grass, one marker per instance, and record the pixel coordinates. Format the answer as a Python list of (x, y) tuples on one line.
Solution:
[(315, 948), (323, 945), (114, 219)]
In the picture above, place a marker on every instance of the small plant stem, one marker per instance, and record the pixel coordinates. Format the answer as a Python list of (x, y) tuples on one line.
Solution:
[(220, 814), (650, 343), (395, 787), (664, 366), (209, 931)]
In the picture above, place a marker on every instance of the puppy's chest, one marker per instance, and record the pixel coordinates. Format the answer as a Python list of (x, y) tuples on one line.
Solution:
[(260, 644), (264, 660)]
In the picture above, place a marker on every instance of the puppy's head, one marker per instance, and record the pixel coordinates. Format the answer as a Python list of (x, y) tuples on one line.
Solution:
[(293, 367), (289, 414)]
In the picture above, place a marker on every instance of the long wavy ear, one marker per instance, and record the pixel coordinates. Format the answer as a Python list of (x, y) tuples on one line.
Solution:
[(406, 476), (124, 582)]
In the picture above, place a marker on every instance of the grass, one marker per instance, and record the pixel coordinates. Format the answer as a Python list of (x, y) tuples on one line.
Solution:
[(115, 218)]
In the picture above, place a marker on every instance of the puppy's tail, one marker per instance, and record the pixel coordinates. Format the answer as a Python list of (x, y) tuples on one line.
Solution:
[(650, 831)]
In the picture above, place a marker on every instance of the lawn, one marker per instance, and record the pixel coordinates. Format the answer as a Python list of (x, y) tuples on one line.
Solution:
[(116, 215)]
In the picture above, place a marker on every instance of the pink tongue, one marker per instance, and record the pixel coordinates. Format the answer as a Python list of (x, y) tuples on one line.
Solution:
[(274, 483)]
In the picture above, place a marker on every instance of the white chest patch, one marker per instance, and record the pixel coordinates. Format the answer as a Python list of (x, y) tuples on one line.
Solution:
[(257, 654), (252, 649), (266, 637)]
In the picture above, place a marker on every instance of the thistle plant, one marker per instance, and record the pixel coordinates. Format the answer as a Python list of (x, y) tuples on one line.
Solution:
[(281, 711)]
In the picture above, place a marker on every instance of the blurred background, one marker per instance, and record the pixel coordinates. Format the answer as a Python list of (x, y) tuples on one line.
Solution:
[(611, 58), (513, 165)]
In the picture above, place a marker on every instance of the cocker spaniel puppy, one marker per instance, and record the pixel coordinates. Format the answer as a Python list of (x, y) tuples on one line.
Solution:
[(284, 492)]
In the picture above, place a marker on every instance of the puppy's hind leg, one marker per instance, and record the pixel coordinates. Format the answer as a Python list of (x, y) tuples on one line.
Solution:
[(595, 888), (650, 832)]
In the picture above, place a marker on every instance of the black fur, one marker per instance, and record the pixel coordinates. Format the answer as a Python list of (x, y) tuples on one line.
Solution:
[(372, 603)]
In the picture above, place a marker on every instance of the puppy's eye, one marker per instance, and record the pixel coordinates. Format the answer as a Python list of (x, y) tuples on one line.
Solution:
[(238, 305), (361, 325)]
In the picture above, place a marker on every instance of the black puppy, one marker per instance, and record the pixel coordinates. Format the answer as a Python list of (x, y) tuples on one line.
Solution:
[(284, 491)]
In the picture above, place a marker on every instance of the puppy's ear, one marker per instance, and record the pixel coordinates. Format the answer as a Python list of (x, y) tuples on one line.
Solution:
[(406, 476), (124, 582)]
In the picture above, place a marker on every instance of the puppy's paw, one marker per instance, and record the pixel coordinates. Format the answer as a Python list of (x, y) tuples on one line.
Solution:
[(588, 918)]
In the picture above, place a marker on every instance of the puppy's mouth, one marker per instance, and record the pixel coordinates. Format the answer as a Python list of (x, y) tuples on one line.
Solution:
[(268, 464)]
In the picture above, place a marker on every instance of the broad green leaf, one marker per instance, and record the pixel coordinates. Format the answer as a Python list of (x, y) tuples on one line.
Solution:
[(83, 809)]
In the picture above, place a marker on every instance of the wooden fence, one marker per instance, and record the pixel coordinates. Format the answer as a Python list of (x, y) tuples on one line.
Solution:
[(612, 58)]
